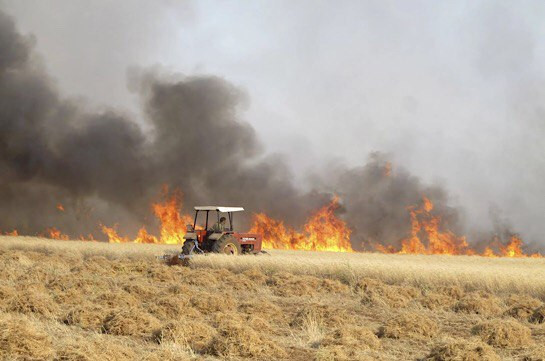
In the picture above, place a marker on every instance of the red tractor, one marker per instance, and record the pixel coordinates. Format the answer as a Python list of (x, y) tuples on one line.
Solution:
[(223, 240)]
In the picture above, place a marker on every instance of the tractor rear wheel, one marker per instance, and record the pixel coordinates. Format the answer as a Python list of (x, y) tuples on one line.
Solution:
[(227, 245)]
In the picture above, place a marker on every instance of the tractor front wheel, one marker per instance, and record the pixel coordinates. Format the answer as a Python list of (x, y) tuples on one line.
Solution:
[(227, 245)]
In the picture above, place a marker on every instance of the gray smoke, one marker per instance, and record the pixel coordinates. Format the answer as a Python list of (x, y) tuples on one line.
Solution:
[(376, 199), (103, 167)]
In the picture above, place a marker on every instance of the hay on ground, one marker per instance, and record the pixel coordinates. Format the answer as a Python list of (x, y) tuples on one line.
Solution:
[(32, 301), (462, 350), (409, 325), (204, 278), (130, 322), (522, 307), (351, 337), (538, 315), (341, 353), (117, 298), (475, 303), (194, 334), (6, 293), (93, 348), (22, 339), (208, 303), (235, 339), (168, 352), (169, 307), (256, 275), (437, 301), (320, 314), (140, 290), (379, 294), (536, 353), (455, 292), (263, 308), (88, 316), (503, 333), (287, 284)]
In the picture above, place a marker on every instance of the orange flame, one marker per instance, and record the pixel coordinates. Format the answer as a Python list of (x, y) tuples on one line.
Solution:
[(513, 248), (13, 233), (425, 227), (144, 237), (113, 237), (88, 238), (54, 233), (172, 223), (427, 236), (322, 232)]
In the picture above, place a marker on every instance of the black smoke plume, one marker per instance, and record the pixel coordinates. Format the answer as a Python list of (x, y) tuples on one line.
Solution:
[(103, 168)]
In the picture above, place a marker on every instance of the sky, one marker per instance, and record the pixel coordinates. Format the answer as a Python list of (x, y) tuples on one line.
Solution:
[(453, 91)]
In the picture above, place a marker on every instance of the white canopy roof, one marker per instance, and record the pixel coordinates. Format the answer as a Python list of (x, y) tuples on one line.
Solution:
[(219, 208)]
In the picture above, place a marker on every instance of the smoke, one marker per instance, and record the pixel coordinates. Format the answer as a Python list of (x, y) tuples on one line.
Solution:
[(105, 168), (202, 147), (52, 151), (376, 198)]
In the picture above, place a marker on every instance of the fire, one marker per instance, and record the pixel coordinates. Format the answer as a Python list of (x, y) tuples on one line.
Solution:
[(488, 252), (172, 223), (113, 237), (144, 237), (54, 233), (88, 238), (323, 231), (428, 236), (513, 248)]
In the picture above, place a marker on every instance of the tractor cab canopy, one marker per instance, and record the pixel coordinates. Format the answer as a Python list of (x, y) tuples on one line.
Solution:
[(218, 210)]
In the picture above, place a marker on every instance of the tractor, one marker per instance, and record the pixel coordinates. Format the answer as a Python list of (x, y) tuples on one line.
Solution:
[(228, 241)]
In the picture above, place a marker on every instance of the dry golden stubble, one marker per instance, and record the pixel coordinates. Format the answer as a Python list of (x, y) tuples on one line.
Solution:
[(504, 333), (462, 350), (475, 303), (409, 325), (24, 339)]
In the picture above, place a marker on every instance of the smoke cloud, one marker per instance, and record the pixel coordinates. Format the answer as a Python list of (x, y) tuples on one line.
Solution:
[(105, 166), (376, 198)]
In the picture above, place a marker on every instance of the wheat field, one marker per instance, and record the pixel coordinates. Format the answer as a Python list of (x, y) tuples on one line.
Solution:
[(73, 300)]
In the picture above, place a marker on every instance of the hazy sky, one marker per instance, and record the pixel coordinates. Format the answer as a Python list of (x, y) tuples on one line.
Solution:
[(453, 90)]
